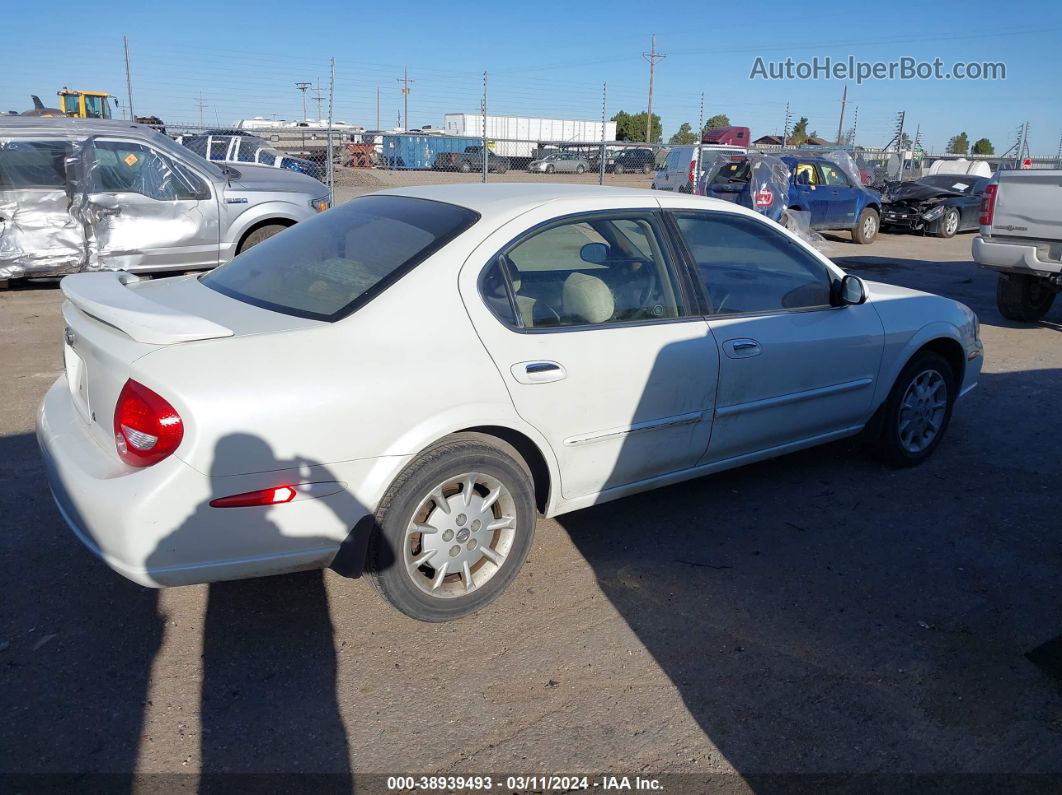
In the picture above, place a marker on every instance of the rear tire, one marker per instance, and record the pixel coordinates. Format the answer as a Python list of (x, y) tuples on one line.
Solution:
[(465, 167), (949, 223), (550, 169), (865, 229), (437, 589), (618, 169), (579, 169), (260, 234), (917, 411), (1024, 298)]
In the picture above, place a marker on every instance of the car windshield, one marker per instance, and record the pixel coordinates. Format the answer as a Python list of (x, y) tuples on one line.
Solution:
[(954, 182), (327, 267)]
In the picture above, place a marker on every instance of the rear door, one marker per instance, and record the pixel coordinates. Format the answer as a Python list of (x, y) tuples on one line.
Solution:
[(146, 211), (589, 321)]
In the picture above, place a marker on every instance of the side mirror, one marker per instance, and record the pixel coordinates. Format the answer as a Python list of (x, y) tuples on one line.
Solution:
[(594, 253), (852, 291)]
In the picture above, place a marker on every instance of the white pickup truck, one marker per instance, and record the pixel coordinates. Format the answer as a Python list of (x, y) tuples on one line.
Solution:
[(1021, 238)]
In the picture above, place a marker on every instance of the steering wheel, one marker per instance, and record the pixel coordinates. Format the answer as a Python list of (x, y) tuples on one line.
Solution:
[(640, 278)]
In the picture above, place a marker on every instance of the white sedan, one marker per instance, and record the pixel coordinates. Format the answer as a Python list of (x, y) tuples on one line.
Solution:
[(403, 384)]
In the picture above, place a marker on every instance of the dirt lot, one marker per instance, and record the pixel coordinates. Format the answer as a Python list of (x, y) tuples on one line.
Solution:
[(818, 614)]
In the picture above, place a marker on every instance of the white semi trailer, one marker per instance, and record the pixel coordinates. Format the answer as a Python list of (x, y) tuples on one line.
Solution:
[(519, 137)]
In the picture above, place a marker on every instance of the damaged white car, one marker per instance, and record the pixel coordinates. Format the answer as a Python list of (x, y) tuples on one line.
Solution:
[(83, 195)]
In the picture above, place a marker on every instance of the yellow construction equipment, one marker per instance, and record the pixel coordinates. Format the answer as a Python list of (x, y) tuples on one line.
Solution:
[(85, 104)]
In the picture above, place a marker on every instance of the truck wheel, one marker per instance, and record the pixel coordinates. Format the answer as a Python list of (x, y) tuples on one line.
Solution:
[(260, 234), (917, 411), (949, 223), (645, 168), (454, 528), (618, 169), (579, 169), (503, 168), (1022, 297), (866, 226), (465, 167)]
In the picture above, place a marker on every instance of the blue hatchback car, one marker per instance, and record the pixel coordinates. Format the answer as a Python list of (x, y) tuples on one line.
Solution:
[(817, 186)]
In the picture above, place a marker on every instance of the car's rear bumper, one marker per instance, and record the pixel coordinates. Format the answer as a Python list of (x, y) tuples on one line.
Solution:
[(1012, 257), (155, 525)]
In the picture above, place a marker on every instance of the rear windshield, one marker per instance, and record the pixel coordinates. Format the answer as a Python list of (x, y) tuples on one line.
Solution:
[(732, 172), (327, 267)]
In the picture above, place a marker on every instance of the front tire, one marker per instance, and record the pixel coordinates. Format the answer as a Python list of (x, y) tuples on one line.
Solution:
[(1024, 298), (579, 169), (866, 226), (454, 528), (918, 410), (550, 169), (618, 169)]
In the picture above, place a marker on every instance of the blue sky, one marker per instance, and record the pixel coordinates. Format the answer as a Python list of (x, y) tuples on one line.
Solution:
[(547, 59)]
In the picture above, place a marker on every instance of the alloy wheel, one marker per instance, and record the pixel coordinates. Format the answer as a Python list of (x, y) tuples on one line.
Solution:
[(922, 411)]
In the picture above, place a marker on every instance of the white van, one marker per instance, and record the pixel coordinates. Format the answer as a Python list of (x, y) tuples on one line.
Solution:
[(684, 165)]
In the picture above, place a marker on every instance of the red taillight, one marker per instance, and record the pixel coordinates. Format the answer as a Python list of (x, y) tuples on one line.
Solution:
[(988, 205), (146, 427), (692, 176), (273, 496)]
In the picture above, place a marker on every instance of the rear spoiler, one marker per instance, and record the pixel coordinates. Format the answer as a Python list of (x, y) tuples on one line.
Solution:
[(105, 296)]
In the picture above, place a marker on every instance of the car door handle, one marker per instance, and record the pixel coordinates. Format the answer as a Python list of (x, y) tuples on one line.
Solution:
[(537, 372), (742, 348)]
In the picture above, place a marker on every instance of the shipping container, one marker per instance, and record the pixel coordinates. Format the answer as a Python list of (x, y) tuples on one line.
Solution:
[(518, 137), (417, 152)]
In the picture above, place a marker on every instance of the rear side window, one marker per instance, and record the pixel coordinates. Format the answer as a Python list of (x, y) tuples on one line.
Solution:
[(32, 164), (327, 267)]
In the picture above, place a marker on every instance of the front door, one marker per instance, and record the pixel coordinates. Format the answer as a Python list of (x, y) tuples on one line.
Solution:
[(590, 324), (806, 193), (792, 367), (840, 197), (145, 211)]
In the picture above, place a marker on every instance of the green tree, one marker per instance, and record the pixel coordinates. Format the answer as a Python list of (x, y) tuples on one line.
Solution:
[(717, 121), (959, 144), (982, 146), (799, 135), (631, 127), (906, 142), (685, 135)]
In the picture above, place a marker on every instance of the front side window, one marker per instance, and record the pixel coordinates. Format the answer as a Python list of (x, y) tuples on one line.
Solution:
[(32, 164), (832, 175), (125, 167), (328, 266), (593, 271), (747, 266)]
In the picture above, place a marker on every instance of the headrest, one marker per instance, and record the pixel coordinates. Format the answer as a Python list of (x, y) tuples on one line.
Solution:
[(587, 298)]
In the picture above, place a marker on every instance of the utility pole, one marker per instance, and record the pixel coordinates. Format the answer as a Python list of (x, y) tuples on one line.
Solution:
[(700, 120), (128, 78), (855, 125), (652, 57), (303, 87), (318, 96), (785, 129), (917, 139), (200, 103), (405, 81), (485, 151), (840, 122)]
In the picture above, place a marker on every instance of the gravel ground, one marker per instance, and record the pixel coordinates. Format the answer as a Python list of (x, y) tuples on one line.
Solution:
[(817, 614)]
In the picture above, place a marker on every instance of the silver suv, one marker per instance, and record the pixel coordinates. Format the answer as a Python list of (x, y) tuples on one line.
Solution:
[(81, 195)]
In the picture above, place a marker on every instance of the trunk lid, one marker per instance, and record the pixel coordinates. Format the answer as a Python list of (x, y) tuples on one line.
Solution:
[(114, 318)]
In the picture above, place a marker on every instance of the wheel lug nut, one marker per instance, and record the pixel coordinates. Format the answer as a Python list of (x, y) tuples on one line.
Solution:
[(476, 524), (461, 519), (455, 550), (448, 535), (472, 545)]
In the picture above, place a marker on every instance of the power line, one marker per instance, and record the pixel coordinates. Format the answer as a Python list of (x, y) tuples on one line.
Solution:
[(405, 81)]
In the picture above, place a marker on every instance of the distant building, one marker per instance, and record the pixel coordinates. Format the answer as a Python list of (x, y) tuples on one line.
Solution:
[(769, 140)]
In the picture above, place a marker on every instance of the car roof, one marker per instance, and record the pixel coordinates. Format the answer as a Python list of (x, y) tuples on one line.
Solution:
[(40, 125), (509, 199)]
